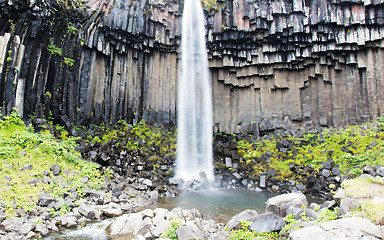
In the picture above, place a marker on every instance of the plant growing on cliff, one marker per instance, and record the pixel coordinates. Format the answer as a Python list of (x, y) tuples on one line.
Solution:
[(69, 61), (54, 50)]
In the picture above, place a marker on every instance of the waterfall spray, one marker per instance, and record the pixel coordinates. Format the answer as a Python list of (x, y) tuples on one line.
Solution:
[(194, 106)]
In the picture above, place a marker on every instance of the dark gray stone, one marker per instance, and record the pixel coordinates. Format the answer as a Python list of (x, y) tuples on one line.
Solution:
[(328, 164), (44, 199), (336, 171), (56, 169), (326, 173)]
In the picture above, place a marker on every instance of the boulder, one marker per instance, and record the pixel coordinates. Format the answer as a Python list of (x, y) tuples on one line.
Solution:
[(189, 231), (279, 204), (69, 221), (43, 230), (348, 204), (111, 212), (346, 228), (12, 224), (87, 211), (125, 224), (235, 222), (44, 199), (267, 222), (144, 227), (26, 228), (159, 227)]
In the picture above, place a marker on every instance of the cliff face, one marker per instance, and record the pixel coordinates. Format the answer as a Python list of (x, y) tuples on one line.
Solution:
[(273, 63)]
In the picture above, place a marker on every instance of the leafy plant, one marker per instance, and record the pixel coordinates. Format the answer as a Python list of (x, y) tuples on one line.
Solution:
[(245, 234), (69, 61), (54, 50), (170, 233)]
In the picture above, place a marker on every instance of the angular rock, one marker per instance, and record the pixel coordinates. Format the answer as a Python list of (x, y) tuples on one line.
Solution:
[(87, 211), (144, 227), (267, 222), (346, 228), (44, 199), (12, 224), (112, 212), (26, 228), (348, 204), (329, 164), (42, 229), (69, 221), (281, 203), (125, 224), (189, 231), (235, 222), (161, 226)]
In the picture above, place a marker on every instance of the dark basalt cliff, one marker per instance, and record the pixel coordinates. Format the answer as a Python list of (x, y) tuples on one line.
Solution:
[(273, 63)]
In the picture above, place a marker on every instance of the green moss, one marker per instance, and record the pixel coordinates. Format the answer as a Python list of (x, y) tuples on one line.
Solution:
[(348, 147), (20, 147)]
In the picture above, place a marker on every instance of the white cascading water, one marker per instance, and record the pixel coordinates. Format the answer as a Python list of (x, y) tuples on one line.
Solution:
[(194, 106)]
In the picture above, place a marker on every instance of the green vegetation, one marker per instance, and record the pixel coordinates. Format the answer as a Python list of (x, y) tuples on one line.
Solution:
[(155, 144), (54, 50), (25, 161), (170, 233), (209, 5), (72, 29), (245, 234), (348, 147), (69, 61), (324, 215)]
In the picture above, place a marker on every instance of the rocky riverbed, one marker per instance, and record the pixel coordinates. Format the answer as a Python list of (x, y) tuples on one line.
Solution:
[(120, 198)]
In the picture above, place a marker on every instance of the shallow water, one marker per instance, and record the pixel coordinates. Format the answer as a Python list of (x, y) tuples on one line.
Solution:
[(217, 204)]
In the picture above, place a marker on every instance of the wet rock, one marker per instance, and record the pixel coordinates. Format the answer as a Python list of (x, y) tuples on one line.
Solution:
[(267, 222), (235, 222), (380, 171)]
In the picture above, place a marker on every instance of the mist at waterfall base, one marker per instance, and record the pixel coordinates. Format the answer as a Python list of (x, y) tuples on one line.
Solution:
[(194, 161)]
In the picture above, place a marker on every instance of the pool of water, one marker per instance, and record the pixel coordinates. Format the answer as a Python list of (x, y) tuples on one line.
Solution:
[(217, 204)]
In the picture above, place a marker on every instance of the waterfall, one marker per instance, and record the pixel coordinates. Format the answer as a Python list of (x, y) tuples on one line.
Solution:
[(194, 105)]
